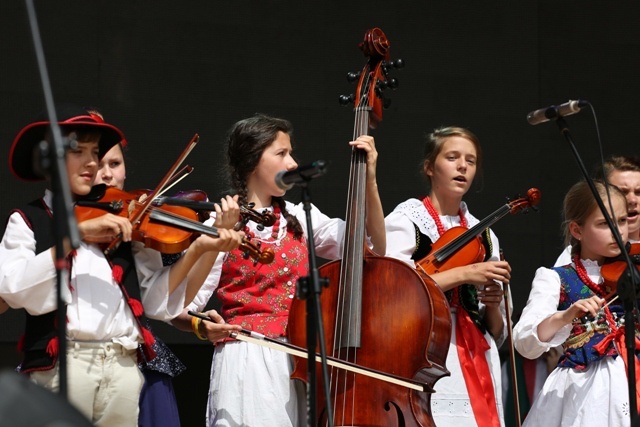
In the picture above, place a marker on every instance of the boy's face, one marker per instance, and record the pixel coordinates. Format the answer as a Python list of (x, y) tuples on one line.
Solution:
[(82, 166)]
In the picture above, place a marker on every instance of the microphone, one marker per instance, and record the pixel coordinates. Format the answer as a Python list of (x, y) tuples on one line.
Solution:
[(545, 114), (287, 179)]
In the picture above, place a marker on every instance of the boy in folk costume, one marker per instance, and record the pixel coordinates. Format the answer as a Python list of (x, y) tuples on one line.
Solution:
[(106, 296)]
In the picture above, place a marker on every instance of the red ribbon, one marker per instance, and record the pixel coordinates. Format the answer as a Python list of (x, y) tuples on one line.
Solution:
[(617, 337), (471, 346)]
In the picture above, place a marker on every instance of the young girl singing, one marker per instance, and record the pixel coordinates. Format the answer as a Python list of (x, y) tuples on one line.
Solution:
[(566, 307), (250, 385), (472, 394)]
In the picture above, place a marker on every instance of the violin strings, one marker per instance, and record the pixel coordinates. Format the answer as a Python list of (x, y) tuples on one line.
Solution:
[(178, 220)]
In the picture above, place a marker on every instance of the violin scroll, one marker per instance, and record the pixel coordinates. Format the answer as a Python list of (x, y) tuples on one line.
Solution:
[(523, 204), (264, 218), (253, 250)]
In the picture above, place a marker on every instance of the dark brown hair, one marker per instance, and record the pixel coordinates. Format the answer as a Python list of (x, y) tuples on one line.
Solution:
[(618, 163), (246, 141)]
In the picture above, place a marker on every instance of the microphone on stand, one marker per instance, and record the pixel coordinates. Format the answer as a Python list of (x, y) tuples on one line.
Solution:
[(545, 114), (287, 179)]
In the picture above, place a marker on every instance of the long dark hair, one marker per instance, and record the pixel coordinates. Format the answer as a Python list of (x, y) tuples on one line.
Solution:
[(246, 141)]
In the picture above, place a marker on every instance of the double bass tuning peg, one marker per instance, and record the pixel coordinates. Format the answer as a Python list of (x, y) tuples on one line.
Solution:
[(345, 100), (397, 63), (391, 83), (353, 77)]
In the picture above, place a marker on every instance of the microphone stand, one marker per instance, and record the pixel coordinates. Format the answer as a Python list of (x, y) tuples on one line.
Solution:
[(309, 289), (52, 161), (627, 284)]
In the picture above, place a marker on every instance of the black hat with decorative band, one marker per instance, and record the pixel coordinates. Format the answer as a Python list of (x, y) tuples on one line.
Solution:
[(70, 118)]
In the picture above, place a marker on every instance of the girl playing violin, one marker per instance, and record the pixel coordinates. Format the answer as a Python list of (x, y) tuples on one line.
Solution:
[(624, 173), (105, 297), (472, 394), (250, 385), (588, 386)]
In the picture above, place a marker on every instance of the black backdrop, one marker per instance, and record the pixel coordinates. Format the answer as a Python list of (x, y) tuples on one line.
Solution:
[(164, 70)]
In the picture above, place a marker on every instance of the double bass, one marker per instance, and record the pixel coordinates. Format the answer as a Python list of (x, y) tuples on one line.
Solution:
[(377, 312)]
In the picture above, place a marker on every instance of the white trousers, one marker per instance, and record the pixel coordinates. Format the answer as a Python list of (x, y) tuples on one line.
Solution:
[(103, 380)]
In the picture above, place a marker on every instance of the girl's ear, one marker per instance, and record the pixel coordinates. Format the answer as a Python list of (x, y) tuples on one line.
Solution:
[(427, 167), (575, 230)]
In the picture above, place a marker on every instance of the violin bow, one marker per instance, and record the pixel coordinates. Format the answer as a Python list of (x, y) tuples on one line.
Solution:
[(175, 179), (512, 351)]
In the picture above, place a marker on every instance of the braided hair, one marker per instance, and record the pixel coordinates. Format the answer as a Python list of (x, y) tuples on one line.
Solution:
[(246, 141)]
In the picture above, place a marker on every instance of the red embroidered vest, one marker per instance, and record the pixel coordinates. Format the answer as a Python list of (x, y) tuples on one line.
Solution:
[(258, 297)]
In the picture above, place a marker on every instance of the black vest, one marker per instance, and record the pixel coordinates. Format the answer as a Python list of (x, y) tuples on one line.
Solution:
[(41, 330)]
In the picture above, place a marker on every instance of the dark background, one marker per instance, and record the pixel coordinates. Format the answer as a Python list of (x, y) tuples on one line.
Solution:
[(163, 71)]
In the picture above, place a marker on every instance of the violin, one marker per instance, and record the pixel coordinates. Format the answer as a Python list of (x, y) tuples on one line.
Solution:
[(613, 268), (459, 246), (611, 271), (167, 229)]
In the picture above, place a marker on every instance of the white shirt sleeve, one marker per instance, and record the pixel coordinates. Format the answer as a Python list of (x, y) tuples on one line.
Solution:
[(154, 285), (27, 280), (209, 286), (542, 303), (401, 237), (212, 281), (328, 233)]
